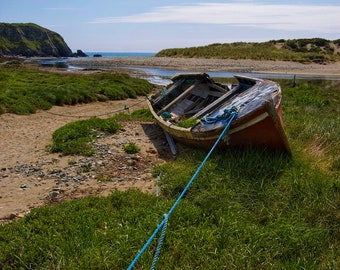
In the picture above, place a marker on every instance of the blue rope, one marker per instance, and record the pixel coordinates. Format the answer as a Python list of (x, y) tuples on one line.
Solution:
[(160, 242), (163, 224), (226, 114)]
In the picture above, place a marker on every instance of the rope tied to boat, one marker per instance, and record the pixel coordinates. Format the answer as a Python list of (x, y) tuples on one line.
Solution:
[(225, 116), (163, 225)]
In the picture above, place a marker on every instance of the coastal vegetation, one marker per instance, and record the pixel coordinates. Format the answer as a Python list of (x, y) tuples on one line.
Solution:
[(316, 50), (24, 90), (247, 209)]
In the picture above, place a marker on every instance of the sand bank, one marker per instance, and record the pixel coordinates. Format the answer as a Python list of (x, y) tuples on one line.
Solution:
[(213, 65)]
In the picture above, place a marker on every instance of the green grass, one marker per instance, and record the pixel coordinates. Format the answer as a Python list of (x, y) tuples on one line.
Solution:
[(248, 209), (23, 90), (76, 138), (140, 115), (315, 50), (312, 119)]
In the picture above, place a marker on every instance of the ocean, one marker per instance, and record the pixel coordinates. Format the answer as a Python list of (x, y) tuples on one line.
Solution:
[(121, 54)]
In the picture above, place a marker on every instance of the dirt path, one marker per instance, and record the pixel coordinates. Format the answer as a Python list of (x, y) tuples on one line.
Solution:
[(31, 177)]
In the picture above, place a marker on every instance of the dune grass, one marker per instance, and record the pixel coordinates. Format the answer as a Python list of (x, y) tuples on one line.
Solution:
[(247, 209), (308, 50)]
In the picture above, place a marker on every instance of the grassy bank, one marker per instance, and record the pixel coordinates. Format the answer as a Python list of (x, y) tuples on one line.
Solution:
[(316, 50), (246, 210), (23, 90)]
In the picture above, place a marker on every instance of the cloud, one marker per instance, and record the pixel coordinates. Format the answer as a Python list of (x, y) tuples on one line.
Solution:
[(317, 18)]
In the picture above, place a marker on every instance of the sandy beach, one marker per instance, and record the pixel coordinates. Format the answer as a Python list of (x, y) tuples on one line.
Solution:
[(31, 177), (206, 65)]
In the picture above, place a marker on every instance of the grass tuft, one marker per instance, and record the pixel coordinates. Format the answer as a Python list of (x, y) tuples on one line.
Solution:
[(76, 137), (131, 148)]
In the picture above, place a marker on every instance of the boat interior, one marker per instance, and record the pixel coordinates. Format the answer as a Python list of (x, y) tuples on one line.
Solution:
[(194, 96)]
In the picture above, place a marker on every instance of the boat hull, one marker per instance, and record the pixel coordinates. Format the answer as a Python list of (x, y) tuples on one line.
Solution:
[(262, 129)]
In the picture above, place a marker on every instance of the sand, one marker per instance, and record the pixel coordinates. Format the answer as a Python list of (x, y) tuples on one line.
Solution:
[(206, 65), (29, 174)]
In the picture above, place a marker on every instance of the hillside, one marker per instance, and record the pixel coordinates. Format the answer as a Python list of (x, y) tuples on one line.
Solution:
[(28, 39), (316, 50)]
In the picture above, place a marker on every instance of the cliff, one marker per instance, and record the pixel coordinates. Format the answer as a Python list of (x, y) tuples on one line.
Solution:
[(29, 39)]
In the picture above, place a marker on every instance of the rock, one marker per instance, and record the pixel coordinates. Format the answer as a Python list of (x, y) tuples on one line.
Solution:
[(131, 162), (54, 194), (24, 187), (79, 53), (12, 216)]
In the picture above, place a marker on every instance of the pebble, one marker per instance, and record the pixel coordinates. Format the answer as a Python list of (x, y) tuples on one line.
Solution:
[(24, 187), (54, 194), (79, 171)]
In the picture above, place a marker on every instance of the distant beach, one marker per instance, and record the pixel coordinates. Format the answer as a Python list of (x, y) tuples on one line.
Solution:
[(331, 70)]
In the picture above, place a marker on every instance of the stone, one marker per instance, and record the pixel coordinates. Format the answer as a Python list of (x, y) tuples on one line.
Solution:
[(12, 216), (24, 187), (54, 194)]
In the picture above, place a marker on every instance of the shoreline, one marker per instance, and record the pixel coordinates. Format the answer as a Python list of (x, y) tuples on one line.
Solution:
[(210, 65)]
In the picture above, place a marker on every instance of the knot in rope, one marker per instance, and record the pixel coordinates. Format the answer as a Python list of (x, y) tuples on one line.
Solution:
[(225, 116)]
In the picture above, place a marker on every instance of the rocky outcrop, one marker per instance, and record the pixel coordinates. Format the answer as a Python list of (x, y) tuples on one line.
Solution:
[(80, 53), (29, 39)]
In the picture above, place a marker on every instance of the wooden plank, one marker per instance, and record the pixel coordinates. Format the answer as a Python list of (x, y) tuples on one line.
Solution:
[(171, 143), (217, 87), (213, 105), (181, 96), (168, 91)]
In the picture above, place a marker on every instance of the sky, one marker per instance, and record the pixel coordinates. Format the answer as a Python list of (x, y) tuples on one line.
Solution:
[(153, 25)]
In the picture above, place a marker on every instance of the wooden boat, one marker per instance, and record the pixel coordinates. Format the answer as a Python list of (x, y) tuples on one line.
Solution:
[(193, 110)]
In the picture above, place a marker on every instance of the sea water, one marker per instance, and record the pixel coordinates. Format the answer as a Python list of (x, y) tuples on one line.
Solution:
[(121, 54), (162, 75)]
